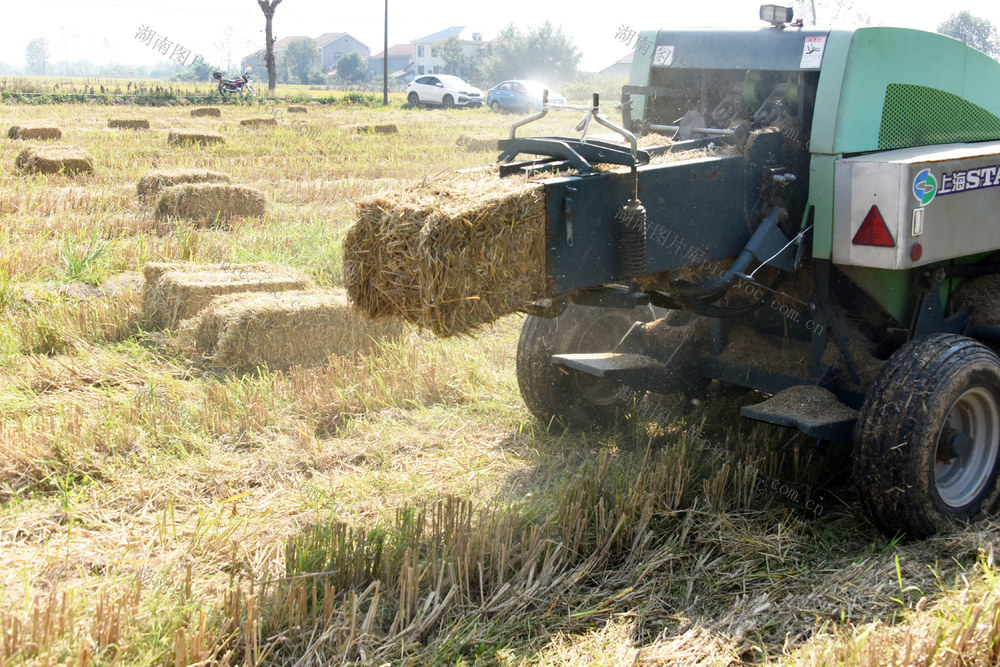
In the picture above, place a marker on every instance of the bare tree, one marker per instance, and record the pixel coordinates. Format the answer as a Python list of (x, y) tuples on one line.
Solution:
[(272, 73)]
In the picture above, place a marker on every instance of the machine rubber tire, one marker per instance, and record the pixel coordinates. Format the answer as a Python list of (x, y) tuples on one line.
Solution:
[(570, 399), (413, 99), (447, 101), (495, 106), (933, 391), (223, 91)]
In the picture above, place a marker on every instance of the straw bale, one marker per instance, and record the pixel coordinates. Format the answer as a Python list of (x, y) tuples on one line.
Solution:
[(174, 291), (384, 128), (154, 181), (477, 144), (203, 137), (129, 123), (207, 202), (54, 160), (34, 131), (206, 111), (258, 122), (982, 295), (450, 256), (279, 330), (297, 108)]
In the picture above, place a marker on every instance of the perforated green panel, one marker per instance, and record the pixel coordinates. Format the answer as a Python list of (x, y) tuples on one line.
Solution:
[(922, 116)]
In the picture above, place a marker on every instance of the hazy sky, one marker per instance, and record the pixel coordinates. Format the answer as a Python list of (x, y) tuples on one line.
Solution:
[(104, 31)]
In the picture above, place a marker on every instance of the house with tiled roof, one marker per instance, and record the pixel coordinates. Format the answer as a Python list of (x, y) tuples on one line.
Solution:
[(427, 58), (332, 46), (400, 61)]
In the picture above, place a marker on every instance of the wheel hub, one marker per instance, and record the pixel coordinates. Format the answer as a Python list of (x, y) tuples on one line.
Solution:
[(967, 447)]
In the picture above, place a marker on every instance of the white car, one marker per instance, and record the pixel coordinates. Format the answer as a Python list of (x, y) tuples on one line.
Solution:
[(444, 90)]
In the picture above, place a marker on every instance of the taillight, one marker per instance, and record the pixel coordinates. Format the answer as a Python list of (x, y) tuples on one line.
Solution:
[(874, 231)]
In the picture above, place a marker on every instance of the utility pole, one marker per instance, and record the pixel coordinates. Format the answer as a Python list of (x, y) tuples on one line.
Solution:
[(385, 59)]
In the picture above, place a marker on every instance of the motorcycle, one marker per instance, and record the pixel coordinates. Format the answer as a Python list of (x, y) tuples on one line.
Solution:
[(229, 87)]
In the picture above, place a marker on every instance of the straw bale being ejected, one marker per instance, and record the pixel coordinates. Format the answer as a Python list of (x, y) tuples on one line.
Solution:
[(207, 202), (54, 160), (34, 131), (203, 137), (279, 330), (449, 256), (206, 111), (155, 181), (175, 291)]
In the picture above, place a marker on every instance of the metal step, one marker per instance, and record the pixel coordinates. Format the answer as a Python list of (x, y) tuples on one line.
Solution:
[(813, 410), (636, 370)]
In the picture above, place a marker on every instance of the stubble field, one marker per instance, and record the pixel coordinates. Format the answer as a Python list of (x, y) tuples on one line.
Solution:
[(400, 507)]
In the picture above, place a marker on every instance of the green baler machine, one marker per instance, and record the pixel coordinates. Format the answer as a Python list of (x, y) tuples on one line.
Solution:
[(834, 244)]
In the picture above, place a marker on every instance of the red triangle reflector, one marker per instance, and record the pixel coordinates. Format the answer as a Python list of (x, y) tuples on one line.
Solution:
[(874, 231)]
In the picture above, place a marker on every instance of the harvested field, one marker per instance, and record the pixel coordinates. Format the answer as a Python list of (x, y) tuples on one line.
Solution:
[(258, 122), (381, 128), (182, 137), (55, 160), (209, 202), (155, 181), (297, 108), (278, 330), (477, 144), (34, 131), (449, 256), (174, 292), (129, 123), (212, 112)]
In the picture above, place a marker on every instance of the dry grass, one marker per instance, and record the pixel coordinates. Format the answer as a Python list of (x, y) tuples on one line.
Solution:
[(129, 123), (212, 112), (55, 160), (174, 292), (155, 181), (259, 122), (210, 202), (278, 330), (202, 137), (477, 144), (34, 131), (156, 511)]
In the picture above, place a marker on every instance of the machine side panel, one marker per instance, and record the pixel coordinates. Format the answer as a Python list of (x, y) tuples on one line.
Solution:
[(687, 220)]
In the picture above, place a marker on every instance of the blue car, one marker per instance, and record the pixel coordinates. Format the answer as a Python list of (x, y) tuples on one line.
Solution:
[(520, 96)]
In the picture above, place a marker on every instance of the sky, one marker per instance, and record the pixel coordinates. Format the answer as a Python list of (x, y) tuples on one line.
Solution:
[(104, 30)]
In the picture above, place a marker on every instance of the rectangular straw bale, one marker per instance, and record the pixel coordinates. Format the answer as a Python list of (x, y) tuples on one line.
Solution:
[(258, 122), (34, 131), (207, 202), (368, 128), (174, 292), (154, 181), (241, 332), (54, 160), (206, 111), (297, 108), (202, 137), (450, 256), (129, 123)]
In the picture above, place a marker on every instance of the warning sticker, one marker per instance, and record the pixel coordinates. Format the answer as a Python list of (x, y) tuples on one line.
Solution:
[(663, 56), (812, 52)]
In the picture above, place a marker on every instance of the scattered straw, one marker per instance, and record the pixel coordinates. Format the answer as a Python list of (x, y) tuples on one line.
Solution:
[(208, 202), (477, 144), (206, 111), (129, 123), (450, 256), (154, 181), (386, 128), (203, 137), (279, 330), (297, 108), (32, 131), (175, 291), (54, 160), (258, 122)]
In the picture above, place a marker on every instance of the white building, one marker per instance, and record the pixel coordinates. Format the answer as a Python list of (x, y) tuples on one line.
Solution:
[(427, 57)]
